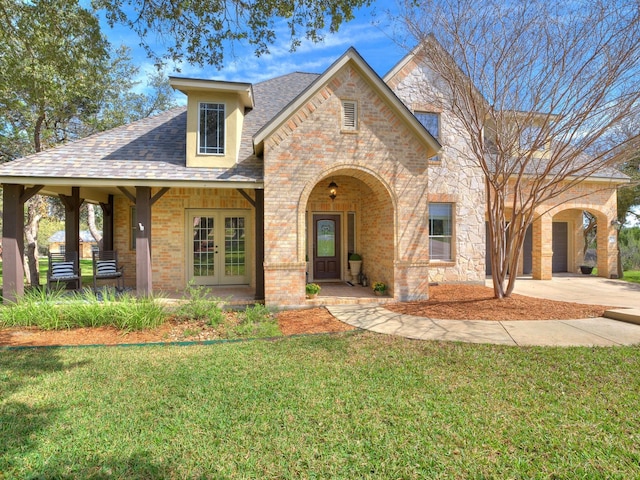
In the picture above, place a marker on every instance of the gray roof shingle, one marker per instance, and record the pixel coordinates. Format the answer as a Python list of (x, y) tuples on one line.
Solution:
[(154, 149)]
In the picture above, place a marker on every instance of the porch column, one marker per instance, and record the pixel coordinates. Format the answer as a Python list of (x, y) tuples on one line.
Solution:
[(607, 248), (12, 242), (72, 221), (144, 285), (542, 248), (259, 226), (107, 224)]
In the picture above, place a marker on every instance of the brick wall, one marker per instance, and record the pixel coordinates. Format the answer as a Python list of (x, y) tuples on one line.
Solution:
[(382, 175), (168, 238)]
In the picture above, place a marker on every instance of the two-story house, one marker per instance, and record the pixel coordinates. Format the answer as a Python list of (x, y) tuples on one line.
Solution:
[(265, 186)]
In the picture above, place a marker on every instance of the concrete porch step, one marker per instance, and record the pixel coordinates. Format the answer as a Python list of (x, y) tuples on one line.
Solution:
[(326, 300), (630, 315)]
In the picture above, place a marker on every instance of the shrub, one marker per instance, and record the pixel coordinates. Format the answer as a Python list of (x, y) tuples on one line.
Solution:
[(312, 288), (255, 321), (200, 305)]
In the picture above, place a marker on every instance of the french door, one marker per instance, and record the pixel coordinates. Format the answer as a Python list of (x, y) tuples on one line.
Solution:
[(217, 247)]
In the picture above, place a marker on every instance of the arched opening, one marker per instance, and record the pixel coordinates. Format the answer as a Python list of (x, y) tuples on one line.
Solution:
[(359, 220), (580, 241)]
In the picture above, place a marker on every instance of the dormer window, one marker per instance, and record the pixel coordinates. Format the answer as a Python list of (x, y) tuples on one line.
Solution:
[(211, 129)]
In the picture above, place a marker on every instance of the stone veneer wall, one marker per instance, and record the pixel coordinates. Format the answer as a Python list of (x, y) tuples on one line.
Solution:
[(309, 150), (168, 238), (453, 178)]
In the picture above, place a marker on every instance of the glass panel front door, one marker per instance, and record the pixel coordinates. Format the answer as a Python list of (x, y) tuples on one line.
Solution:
[(217, 248), (326, 247)]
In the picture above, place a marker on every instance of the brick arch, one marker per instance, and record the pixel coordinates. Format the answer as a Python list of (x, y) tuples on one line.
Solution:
[(604, 250), (366, 193), (368, 177)]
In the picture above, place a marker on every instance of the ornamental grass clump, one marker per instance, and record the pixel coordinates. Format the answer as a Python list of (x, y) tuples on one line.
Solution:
[(58, 310)]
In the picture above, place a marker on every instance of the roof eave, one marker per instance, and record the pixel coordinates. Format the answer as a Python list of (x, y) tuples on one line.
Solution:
[(129, 182)]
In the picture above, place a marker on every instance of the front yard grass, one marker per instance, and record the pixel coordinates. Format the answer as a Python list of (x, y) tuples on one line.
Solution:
[(356, 405), (632, 276)]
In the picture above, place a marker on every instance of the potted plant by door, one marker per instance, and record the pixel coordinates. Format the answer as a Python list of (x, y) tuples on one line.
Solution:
[(355, 264), (379, 288), (312, 290)]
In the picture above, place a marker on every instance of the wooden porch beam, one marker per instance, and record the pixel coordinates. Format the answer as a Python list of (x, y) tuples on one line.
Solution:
[(72, 205), (30, 192), (12, 242), (246, 195), (128, 194), (159, 195), (144, 284), (107, 224), (259, 226)]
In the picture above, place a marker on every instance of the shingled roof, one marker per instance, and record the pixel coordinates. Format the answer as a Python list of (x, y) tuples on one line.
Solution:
[(153, 150)]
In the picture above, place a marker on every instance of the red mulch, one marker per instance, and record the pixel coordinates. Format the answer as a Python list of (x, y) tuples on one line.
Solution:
[(456, 302)]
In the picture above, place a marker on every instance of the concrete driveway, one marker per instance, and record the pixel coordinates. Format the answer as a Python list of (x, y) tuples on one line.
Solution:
[(581, 289)]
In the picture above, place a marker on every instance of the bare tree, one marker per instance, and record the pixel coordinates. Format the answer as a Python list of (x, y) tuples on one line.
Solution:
[(538, 88)]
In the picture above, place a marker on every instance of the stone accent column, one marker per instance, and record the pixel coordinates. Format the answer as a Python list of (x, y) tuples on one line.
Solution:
[(542, 248), (411, 281)]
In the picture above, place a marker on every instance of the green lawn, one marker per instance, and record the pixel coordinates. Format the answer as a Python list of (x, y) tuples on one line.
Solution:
[(355, 405), (632, 276)]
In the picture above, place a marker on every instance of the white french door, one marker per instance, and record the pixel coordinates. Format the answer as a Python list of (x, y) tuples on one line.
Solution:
[(217, 247)]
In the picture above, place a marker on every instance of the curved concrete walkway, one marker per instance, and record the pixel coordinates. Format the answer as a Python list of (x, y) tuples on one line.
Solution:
[(579, 332)]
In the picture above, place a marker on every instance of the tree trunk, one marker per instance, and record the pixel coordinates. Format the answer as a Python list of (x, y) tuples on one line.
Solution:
[(34, 216), (91, 221)]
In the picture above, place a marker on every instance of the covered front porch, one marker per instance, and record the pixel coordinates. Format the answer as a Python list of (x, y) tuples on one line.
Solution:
[(133, 214)]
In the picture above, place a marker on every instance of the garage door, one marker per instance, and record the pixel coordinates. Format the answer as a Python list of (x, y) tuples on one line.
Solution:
[(527, 251), (560, 247)]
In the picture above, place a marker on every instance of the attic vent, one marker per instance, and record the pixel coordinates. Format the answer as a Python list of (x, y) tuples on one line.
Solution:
[(349, 115)]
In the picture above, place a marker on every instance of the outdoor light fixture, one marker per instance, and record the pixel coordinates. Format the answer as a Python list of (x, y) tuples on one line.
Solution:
[(616, 224), (333, 190)]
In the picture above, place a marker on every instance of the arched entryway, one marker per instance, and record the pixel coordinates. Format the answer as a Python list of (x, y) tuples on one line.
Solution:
[(360, 220)]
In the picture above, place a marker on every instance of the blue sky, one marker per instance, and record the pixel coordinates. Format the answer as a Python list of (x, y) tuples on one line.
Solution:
[(372, 33)]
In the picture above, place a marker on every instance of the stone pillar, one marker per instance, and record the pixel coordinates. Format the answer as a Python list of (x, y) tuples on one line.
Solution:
[(542, 260), (607, 248)]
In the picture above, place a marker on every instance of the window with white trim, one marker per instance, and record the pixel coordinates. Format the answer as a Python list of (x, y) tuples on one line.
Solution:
[(349, 115), (440, 231), (211, 129)]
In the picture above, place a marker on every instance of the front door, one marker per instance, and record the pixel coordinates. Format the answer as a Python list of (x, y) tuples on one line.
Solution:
[(326, 247), (217, 247)]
